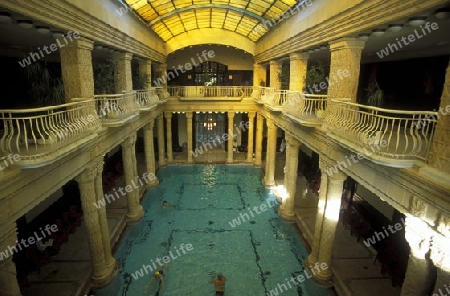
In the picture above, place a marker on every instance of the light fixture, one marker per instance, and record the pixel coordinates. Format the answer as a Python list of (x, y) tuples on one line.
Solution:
[(230, 77), (5, 17), (364, 36), (58, 34), (25, 24), (110, 50), (317, 49), (43, 30), (189, 76), (98, 47), (323, 46), (395, 27), (442, 13), (417, 21), (311, 50), (378, 32)]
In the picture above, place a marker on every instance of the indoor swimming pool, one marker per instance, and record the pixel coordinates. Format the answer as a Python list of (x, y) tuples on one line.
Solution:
[(211, 225)]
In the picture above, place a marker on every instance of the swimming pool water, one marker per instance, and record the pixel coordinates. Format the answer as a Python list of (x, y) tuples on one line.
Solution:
[(255, 256)]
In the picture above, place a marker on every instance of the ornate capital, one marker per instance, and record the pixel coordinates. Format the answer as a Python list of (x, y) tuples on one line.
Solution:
[(275, 63), (418, 235), (347, 43), (443, 225), (149, 126), (251, 115), (417, 207), (130, 141), (168, 114), (189, 115), (298, 56), (290, 140), (230, 114)]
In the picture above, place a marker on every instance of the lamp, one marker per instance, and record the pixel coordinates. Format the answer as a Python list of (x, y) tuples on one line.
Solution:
[(364, 36), (58, 34), (189, 76), (323, 46), (395, 27), (5, 17), (43, 30), (98, 47), (230, 77), (311, 50), (417, 21), (378, 32), (442, 13), (25, 24), (317, 49)]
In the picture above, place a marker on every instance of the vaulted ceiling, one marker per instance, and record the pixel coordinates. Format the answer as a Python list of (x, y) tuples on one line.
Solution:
[(249, 18)]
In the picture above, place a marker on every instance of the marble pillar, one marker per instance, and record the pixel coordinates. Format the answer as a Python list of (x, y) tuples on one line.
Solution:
[(259, 75), (327, 218), (145, 72), (8, 241), (124, 81), (269, 178), (420, 272), (76, 69), (298, 68), (135, 210), (275, 70), (161, 148), (189, 136), (251, 120), (150, 152), (345, 68), (259, 139), (440, 256), (168, 116), (286, 210), (231, 137)]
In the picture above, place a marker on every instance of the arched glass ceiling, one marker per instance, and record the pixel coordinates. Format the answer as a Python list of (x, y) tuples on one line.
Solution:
[(169, 18)]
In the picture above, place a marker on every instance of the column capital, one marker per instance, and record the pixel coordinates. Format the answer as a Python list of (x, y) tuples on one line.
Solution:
[(149, 125), (189, 115), (81, 43), (275, 63), (332, 171), (230, 114), (290, 140), (129, 141), (251, 114), (259, 116), (418, 235), (144, 61), (123, 55), (440, 253), (168, 114), (344, 43), (270, 124), (298, 56)]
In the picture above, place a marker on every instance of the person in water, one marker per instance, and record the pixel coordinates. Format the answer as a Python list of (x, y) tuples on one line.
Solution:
[(159, 276), (219, 283)]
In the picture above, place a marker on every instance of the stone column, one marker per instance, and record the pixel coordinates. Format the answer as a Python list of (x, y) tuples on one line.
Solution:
[(8, 239), (251, 120), (440, 255), (189, 136), (162, 69), (86, 181), (269, 178), (298, 68), (259, 139), (345, 68), (259, 75), (327, 217), (145, 70), (76, 69), (286, 210), (420, 273), (124, 80), (439, 157), (135, 210), (161, 148), (275, 69), (230, 136), (168, 116), (110, 262), (150, 153)]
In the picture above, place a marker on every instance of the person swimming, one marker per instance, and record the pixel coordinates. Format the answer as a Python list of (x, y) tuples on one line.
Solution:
[(219, 283)]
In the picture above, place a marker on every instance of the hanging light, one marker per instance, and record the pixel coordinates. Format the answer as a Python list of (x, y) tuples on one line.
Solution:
[(395, 27), (43, 30), (25, 24), (417, 21), (378, 32), (5, 18)]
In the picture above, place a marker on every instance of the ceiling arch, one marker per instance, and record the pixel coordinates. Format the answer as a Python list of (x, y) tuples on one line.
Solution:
[(170, 18)]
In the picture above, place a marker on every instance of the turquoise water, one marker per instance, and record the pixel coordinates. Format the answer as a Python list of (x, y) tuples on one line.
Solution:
[(255, 256)]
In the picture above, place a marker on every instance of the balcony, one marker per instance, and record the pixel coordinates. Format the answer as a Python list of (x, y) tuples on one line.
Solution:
[(116, 109), (261, 94), (210, 93), (148, 99), (305, 109), (394, 138), (40, 136)]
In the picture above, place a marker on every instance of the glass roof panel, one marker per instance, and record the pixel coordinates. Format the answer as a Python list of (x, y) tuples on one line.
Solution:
[(170, 18)]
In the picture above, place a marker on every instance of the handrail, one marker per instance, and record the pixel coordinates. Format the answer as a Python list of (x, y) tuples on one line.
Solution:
[(406, 134)]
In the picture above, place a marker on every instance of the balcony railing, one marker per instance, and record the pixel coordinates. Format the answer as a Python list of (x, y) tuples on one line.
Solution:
[(306, 109), (116, 109), (42, 135), (394, 138), (276, 99), (146, 99), (162, 93), (211, 92), (263, 94)]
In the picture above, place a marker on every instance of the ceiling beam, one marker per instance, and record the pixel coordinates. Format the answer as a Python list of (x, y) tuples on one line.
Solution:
[(200, 6)]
